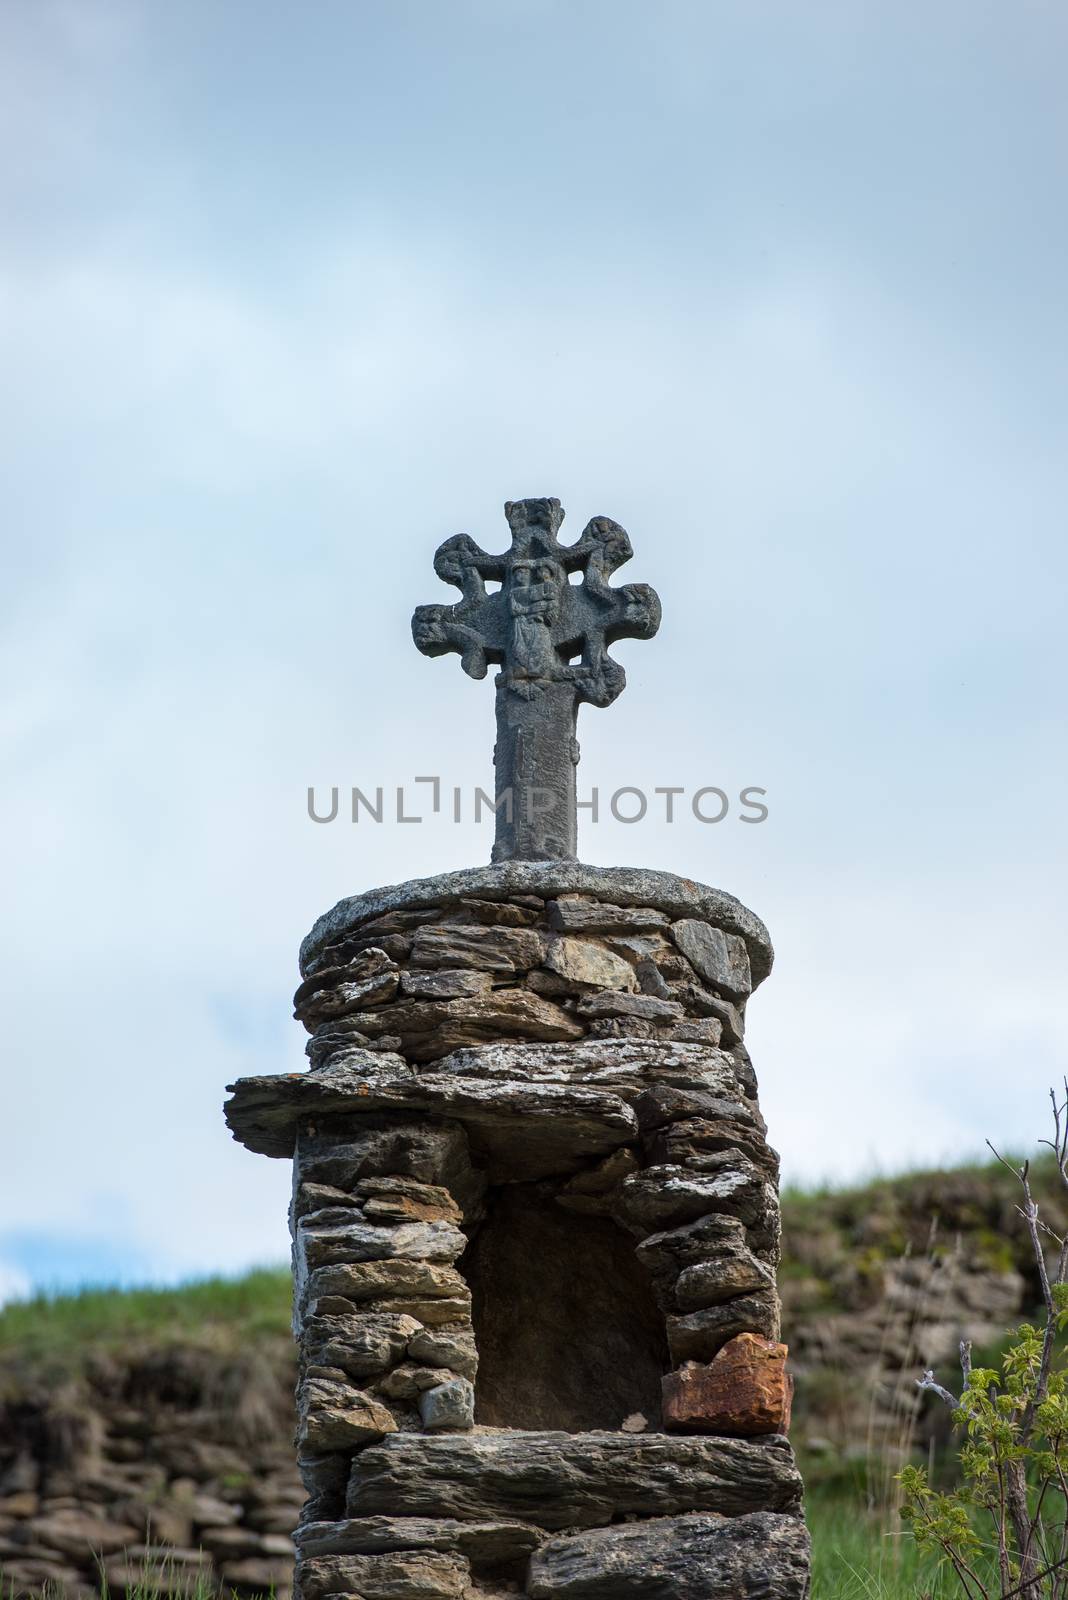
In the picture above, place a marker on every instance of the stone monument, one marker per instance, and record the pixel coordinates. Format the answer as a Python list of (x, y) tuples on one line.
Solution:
[(535, 1218)]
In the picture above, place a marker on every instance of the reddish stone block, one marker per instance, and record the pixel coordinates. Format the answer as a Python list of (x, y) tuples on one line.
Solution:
[(745, 1390)]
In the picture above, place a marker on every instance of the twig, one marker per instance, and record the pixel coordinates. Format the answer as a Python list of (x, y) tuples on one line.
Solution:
[(928, 1382), (1038, 1576), (1029, 1212)]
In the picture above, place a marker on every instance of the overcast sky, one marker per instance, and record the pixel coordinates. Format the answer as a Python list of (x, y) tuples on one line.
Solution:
[(290, 293)]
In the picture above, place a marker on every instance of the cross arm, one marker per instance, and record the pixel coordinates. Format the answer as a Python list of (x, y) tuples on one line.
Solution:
[(604, 614), (473, 626)]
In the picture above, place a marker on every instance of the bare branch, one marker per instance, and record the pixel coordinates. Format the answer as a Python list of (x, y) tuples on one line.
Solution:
[(1017, 1172), (1045, 1228), (928, 1382), (1060, 1135), (1030, 1212)]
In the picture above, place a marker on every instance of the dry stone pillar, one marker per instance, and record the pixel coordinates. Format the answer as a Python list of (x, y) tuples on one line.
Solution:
[(535, 1228), (535, 1221)]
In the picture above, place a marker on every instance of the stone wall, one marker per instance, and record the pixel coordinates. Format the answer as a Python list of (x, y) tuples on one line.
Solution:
[(536, 1226), (168, 1457)]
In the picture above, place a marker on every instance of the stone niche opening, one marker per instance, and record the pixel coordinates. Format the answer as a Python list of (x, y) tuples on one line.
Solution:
[(569, 1334)]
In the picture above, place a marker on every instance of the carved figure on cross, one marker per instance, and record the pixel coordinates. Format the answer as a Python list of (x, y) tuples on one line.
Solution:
[(550, 637)]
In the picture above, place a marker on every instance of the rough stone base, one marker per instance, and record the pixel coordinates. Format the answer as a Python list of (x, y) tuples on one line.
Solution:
[(530, 1177)]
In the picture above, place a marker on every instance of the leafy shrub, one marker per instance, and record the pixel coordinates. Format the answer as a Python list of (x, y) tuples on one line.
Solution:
[(1004, 1528)]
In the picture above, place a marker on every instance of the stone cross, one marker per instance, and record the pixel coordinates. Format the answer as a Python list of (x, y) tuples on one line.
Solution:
[(550, 637)]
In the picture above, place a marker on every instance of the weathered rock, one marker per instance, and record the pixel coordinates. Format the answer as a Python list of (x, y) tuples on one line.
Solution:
[(274, 1521), (433, 1312), (444, 984), (485, 1543), (522, 1129), (429, 1029), (362, 1346), (380, 1200), (603, 1177), (345, 998), (259, 1575), (397, 946), (616, 1003), (675, 897), (325, 1480), (448, 1406), (628, 1067), (446, 1347), (708, 1283), (703, 1264), (664, 1103), (408, 1381), (551, 984), (327, 1237), (41, 1573), (579, 914), (666, 1196), (585, 964), (80, 1533), (700, 1335), (510, 913), (592, 1192), (396, 1575), (371, 1280), (390, 1199), (366, 964), (623, 1028), (743, 1070), (693, 1140), (651, 980), (334, 1416), (705, 1030), (344, 1149), (700, 1002), (559, 1480), (341, 1036), (235, 1544), (720, 958), (744, 1391), (487, 949), (678, 1558), (648, 949), (399, 920), (23, 1503), (310, 1197), (211, 1510)]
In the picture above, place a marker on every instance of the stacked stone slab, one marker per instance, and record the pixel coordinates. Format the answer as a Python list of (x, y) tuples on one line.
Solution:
[(536, 1225)]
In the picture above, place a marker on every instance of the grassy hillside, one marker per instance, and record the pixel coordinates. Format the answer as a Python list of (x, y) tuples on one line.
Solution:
[(67, 1328)]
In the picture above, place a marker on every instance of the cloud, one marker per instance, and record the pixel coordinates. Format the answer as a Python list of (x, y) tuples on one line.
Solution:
[(245, 403)]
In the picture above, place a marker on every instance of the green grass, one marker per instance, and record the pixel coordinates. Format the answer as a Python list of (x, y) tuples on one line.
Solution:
[(255, 1306), (199, 1589), (862, 1555)]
